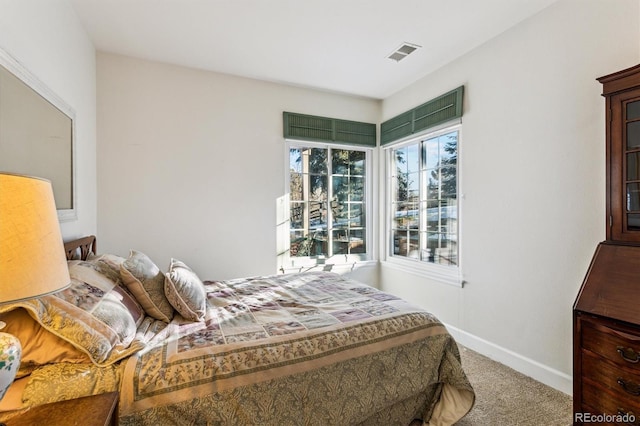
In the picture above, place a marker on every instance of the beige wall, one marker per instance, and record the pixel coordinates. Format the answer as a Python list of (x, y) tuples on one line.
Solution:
[(532, 170), (191, 163), (46, 38)]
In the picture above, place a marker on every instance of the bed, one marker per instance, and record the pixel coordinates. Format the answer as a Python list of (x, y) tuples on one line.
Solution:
[(313, 348)]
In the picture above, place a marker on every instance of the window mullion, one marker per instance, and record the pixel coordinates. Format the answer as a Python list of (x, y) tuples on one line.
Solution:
[(440, 195), (422, 203), (306, 189), (328, 202)]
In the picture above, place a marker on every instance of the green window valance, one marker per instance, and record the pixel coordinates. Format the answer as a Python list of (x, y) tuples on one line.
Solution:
[(430, 114), (324, 129)]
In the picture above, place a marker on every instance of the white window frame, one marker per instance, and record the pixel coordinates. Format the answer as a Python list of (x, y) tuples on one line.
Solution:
[(286, 260), (443, 273)]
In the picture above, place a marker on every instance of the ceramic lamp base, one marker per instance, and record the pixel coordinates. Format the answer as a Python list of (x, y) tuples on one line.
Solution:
[(10, 353)]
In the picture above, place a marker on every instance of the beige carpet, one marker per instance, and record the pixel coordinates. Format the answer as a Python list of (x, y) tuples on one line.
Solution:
[(507, 397)]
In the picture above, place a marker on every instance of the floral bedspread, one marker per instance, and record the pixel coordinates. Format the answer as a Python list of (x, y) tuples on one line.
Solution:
[(302, 349)]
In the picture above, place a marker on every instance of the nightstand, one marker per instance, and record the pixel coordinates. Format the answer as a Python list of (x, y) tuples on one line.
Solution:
[(96, 410)]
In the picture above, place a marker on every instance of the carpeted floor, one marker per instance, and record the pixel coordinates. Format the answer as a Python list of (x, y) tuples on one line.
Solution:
[(507, 397)]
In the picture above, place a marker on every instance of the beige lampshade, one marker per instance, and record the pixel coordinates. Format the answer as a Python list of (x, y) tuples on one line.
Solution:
[(32, 257)]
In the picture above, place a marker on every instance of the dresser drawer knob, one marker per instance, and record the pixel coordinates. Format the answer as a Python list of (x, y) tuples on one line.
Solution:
[(629, 387), (628, 354)]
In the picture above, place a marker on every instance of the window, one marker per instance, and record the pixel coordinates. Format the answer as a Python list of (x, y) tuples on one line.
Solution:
[(422, 227), (328, 195), (423, 200), (326, 210)]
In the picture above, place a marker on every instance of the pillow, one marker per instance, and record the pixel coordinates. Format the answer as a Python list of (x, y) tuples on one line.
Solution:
[(102, 276), (145, 280), (112, 260), (39, 346), (90, 315), (185, 291), (94, 288)]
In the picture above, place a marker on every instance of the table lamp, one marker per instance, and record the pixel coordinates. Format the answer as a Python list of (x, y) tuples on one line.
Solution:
[(32, 258)]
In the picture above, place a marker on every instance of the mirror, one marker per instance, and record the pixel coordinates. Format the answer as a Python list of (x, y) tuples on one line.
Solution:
[(36, 133)]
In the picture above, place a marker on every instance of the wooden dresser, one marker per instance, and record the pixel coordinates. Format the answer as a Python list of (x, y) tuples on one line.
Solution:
[(606, 314), (606, 373)]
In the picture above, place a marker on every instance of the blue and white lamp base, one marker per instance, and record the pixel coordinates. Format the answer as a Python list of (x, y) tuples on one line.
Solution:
[(10, 353)]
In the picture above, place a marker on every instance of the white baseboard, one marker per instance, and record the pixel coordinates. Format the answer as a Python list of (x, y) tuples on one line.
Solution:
[(542, 373)]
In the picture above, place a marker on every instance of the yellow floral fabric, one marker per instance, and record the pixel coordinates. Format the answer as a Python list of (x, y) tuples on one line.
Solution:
[(62, 381)]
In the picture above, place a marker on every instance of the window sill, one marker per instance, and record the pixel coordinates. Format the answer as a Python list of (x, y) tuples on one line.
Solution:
[(444, 274), (340, 268)]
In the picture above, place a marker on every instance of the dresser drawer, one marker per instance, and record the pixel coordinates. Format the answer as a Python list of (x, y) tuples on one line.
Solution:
[(616, 345), (622, 381), (607, 403)]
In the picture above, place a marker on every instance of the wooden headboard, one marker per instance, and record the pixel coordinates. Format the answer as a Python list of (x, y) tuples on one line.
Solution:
[(80, 248)]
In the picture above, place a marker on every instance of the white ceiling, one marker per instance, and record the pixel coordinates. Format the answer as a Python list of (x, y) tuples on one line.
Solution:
[(335, 45)]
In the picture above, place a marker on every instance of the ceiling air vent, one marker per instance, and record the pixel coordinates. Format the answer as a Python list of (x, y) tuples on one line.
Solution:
[(403, 51)]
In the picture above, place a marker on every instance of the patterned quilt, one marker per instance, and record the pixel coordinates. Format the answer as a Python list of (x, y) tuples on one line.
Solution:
[(300, 349)]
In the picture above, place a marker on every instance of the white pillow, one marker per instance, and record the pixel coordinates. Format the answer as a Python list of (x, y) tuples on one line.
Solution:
[(185, 291)]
